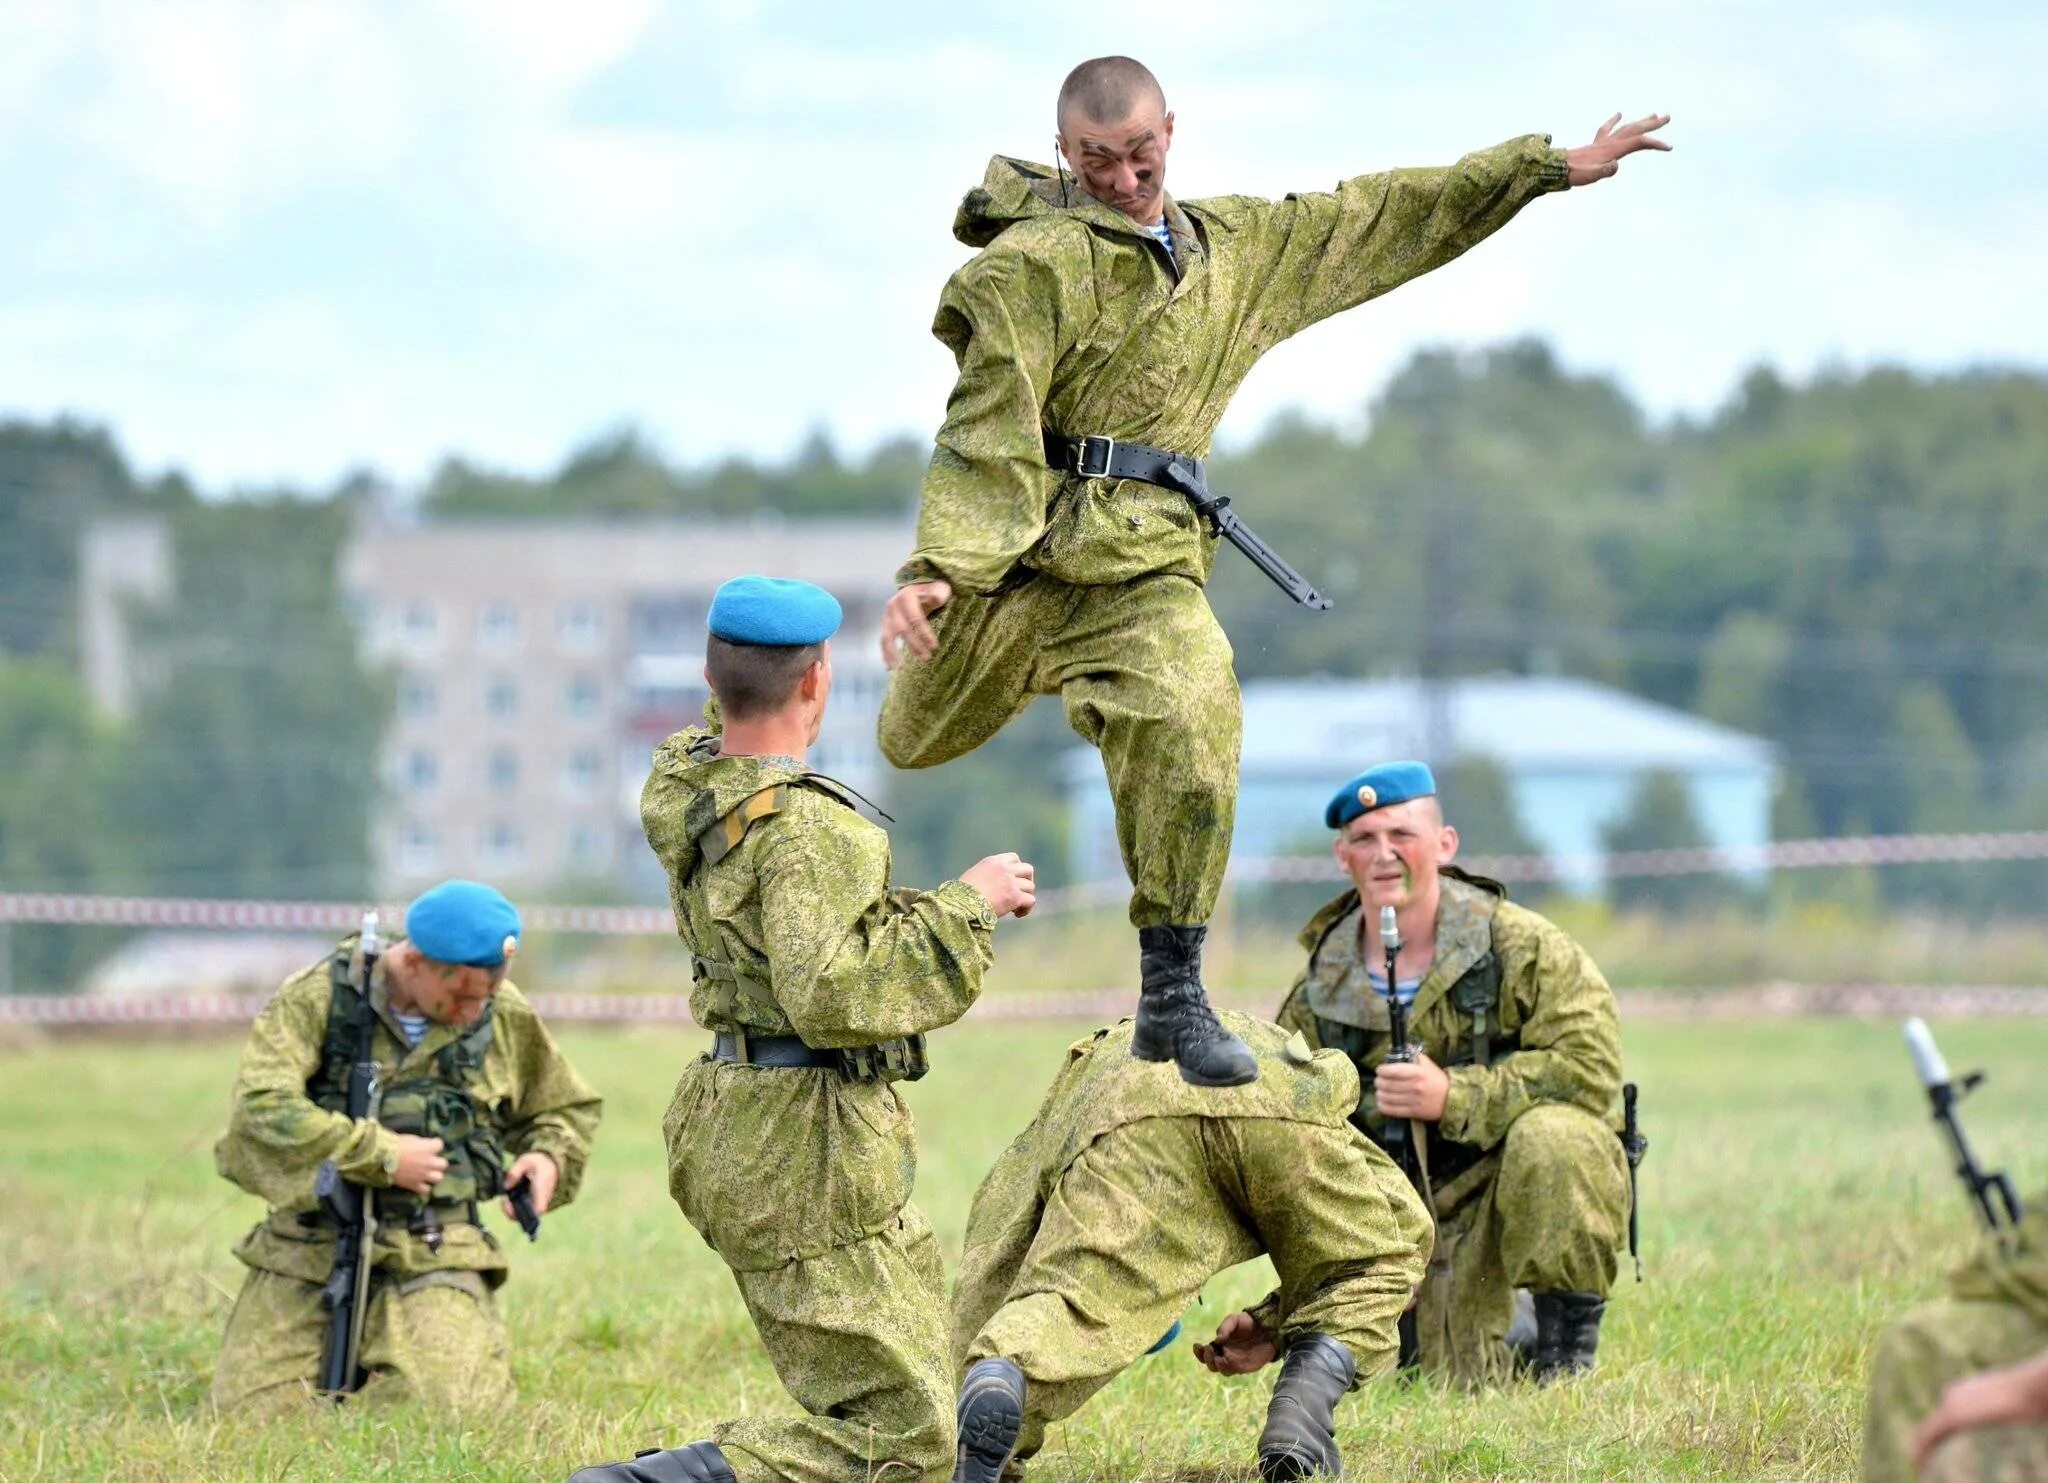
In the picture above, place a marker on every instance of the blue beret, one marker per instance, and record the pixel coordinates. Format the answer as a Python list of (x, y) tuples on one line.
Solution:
[(1166, 1338), (465, 923), (1379, 787), (773, 610)]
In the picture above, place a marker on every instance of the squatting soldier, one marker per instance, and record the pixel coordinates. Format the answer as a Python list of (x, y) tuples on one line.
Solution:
[(1517, 1087), (1959, 1389), (471, 1079), (789, 1148), (1129, 1191), (1100, 333)]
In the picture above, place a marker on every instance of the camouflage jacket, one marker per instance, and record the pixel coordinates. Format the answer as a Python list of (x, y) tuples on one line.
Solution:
[(1072, 317), (2017, 1274), (277, 1138), (1555, 1033)]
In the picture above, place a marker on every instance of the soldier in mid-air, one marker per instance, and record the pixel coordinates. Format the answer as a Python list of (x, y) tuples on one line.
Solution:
[(1515, 1093), (789, 1147), (1128, 1192), (470, 1077), (1100, 333)]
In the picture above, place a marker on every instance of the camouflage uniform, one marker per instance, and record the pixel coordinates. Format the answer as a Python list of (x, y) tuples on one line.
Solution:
[(1997, 1316), (800, 1178), (1130, 1189), (433, 1329), (1530, 1185), (1073, 318)]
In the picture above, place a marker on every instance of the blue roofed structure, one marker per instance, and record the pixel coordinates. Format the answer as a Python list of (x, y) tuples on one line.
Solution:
[(1573, 752)]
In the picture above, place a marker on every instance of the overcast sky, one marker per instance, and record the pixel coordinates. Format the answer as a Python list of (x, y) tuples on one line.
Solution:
[(268, 240)]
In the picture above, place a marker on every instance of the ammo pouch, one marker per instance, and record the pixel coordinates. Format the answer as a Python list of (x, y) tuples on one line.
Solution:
[(892, 1060)]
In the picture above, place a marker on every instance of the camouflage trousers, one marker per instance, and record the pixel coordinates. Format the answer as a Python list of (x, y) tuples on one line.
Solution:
[(1143, 670), (1922, 1354), (436, 1339), (1150, 1212), (1547, 1212), (857, 1337)]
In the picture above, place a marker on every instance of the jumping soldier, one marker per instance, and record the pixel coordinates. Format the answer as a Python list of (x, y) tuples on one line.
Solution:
[(789, 1148)]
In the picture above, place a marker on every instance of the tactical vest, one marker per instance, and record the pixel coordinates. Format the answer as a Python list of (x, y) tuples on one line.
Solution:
[(433, 1100), (734, 993)]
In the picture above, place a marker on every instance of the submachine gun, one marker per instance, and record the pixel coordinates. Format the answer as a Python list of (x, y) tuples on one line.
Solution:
[(1398, 1136), (352, 1207), (1992, 1193)]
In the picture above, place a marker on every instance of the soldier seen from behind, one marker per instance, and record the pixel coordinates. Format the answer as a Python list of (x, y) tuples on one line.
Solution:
[(475, 1098), (789, 1147), (1515, 1096), (1100, 332), (1128, 1192)]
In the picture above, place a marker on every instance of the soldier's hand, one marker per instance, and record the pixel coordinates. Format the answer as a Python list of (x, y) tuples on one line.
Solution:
[(1601, 158), (540, 1174), (1415, 1089), (2017, 1394), (905, 624), (420, 1165), (1240, 1346), (1010, 882)]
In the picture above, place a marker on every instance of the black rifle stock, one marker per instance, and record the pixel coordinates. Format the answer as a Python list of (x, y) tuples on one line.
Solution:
[(1633, 1146), (1215, 508), (1998, 1207), (1398, 1134), (521, 1196), (352, 1207)]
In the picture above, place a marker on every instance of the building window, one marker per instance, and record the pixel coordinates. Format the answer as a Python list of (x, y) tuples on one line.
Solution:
[(589, 847), (501, 770), (501, 697), (580, 627), (419, 850), (497, 627), (421, 771), (583, 773), (419, 625), (418, 697), (582, 696), (503, 847), (669, 624)]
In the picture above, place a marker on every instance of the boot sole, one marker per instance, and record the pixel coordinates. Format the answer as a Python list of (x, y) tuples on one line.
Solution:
[(991, 1417)]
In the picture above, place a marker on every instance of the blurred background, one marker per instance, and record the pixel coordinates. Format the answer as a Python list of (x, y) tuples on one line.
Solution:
[(384, 389)]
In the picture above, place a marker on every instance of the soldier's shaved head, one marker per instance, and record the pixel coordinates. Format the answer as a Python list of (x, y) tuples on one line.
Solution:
[(1106, 90), (753, 680)]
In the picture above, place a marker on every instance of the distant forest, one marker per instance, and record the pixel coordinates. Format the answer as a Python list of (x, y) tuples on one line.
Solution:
[(1855, 568)]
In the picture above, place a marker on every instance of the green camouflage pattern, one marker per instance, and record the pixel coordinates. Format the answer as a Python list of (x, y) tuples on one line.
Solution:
[(1100, 1224), (1996, 1315), (799, 1179), (1071, 318), (1143, 670), (277, 1137), (1542, 1202), (436, 1340)]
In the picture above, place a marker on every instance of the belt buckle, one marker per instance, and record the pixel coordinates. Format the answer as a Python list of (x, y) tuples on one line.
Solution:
[(1108, 447)]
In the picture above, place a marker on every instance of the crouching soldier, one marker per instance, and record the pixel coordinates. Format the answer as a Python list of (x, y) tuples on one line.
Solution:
[(1516, 1090), (789, 1147), (1129, 1191), (476, 1099)]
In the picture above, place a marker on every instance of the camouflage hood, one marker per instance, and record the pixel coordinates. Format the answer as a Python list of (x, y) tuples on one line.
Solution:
[(1018, 190), (692, 786)]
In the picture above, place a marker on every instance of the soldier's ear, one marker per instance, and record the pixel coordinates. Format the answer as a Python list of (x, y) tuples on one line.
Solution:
[(1447, 849)]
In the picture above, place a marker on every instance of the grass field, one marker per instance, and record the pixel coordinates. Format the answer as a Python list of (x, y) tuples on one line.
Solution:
[(1795, 1198)]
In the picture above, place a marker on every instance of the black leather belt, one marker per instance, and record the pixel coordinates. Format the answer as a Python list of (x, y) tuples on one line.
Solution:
[(1106, 458), (779, 1051)]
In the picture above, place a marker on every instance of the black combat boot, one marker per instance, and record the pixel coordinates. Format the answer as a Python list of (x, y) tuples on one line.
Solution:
[(991, 1414), (1567, 1333), (1300, 1438), (1175, 1022), (700, 1462)]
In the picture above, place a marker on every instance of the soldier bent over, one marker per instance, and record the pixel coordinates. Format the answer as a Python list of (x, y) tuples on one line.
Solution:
[(1517, 1089), (1100, 333), (789, 1148), (470, 1075)]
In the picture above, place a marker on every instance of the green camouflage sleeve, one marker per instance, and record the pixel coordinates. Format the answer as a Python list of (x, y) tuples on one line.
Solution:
[(1570, 1037), (277, 1137), (558, 1111), (853, 962), (1295, 1014), (1330, 251), (987, 489)]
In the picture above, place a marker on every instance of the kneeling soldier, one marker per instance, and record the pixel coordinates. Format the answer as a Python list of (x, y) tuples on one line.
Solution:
[(469, 1075), (1517, 1088), (789, 1147), (1130, 1190)]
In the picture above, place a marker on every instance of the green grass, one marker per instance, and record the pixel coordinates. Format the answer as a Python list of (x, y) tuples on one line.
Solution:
[(1795, 1198)]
